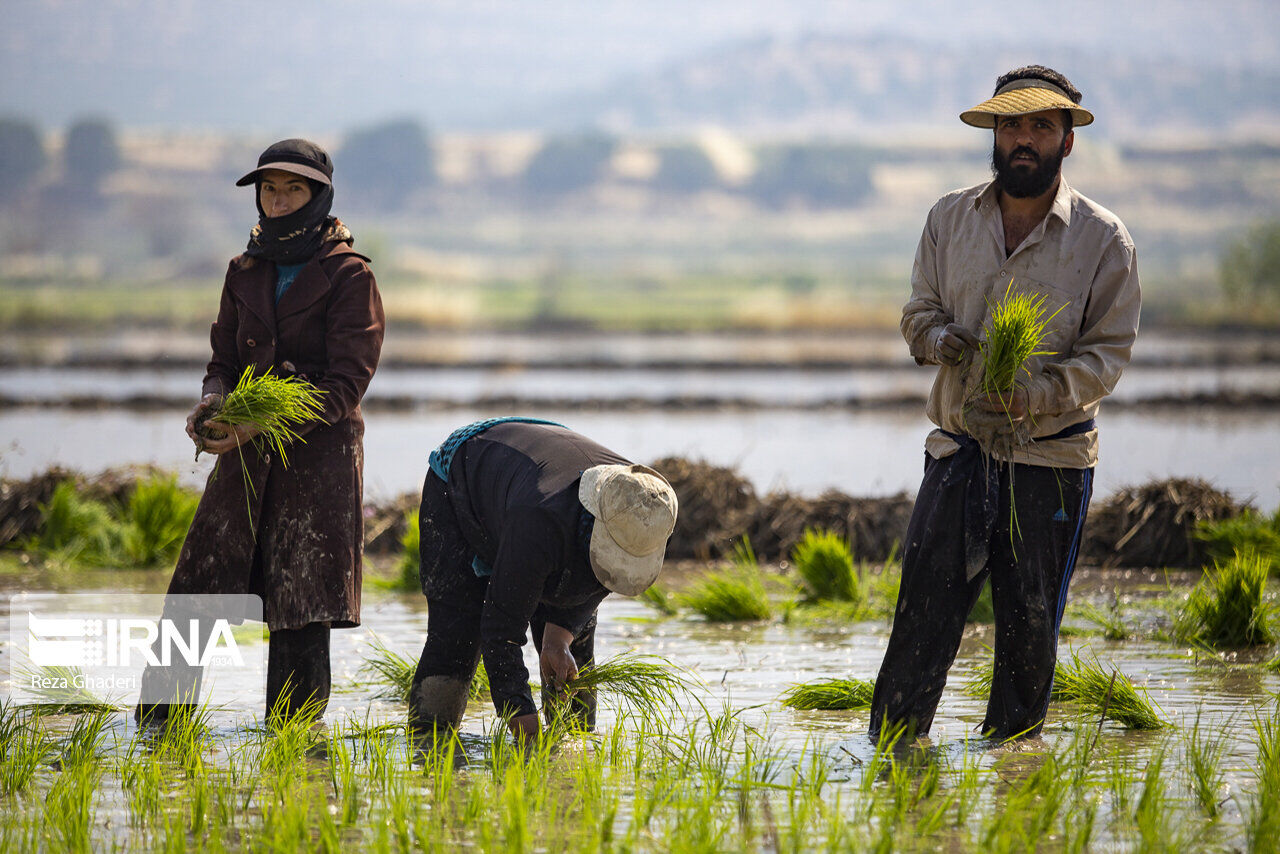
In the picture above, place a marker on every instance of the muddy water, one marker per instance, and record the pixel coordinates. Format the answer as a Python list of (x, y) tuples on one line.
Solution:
[(875, 452), (746, 667)]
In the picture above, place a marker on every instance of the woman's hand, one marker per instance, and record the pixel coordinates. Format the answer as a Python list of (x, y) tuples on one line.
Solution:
[(209, 401), (228, 438), (557, 664)]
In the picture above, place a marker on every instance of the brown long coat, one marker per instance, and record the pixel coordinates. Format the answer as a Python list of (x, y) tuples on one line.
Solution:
[(297, 537)]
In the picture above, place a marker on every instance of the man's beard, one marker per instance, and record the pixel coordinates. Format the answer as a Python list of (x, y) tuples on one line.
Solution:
[(1026, 184)]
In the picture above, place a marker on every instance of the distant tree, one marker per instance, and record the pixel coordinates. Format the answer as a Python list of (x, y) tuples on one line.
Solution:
[(569, 163), (1250, 266), (830, 176), (384, 165), (685, 169), (21, 157), (91, 154)]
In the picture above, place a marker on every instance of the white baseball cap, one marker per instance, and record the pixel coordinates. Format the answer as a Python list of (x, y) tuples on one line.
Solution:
[(635, 512)]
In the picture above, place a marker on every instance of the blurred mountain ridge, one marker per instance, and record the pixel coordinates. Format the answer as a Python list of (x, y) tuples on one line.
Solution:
[(840, 85)]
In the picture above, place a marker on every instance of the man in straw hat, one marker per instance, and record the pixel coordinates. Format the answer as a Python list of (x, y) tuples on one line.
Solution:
[(1007, 481), (525, 524)]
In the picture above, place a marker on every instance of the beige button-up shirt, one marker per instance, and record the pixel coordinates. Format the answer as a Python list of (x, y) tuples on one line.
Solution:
[(1081, 258)]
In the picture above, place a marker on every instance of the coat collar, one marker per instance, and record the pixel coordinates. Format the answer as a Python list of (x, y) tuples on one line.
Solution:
[(254, 283)]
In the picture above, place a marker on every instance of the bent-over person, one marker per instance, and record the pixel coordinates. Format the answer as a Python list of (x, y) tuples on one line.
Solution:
[(526, 526)]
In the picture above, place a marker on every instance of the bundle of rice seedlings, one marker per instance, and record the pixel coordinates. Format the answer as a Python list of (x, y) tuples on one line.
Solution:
[(395, 672), (824, 562), (409, 553), (1226, 609), (1250, 531), (273, 404), (660, 600), (1095, 690), (830, 694), (155, 520), (734, 595), (59, 689), (1110, 621), (1105, 693), (73, 527), (648, 685), (1016, 331)]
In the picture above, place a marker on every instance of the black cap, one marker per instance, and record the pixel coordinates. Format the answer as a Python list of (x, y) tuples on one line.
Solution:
[(298, 156)]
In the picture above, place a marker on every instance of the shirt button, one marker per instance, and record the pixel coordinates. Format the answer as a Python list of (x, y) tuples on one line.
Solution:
[(251, 342)]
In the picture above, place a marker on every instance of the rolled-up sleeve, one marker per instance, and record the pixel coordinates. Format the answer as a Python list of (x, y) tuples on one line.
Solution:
[(1105, 345)]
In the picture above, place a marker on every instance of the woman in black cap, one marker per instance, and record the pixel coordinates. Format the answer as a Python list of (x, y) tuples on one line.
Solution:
[(299, 301)]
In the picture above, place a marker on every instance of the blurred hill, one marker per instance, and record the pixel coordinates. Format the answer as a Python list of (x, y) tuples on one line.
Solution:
[(882, 86), (317, 66)]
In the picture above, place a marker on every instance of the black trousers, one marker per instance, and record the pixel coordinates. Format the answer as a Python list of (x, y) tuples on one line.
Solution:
[(297, 673), (1033, 551), (455, 604)]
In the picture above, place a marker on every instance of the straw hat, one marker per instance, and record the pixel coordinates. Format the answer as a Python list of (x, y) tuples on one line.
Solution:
[(635, 511), (1019, 97)]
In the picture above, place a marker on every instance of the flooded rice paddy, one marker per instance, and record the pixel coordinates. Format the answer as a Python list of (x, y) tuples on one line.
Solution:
[(739, 773)]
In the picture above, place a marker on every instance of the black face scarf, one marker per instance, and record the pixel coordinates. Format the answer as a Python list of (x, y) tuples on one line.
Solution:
[(292, 238)]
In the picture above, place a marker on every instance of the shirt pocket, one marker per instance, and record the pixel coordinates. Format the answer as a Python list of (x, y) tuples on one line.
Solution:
[(1061, 309)]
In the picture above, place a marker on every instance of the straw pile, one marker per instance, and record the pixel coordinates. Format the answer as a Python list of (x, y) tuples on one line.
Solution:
[(1154, 525), (870, 525), (716, 507)]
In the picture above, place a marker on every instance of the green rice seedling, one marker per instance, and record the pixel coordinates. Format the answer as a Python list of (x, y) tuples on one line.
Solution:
[(830, 694), (395, 672), (273, 404), (388, 667), (1015, 332), (1250, 531), (734, 595), (1109, 621), (409, 553), (660, 600), (825, 565), (1262, 815), (984, 609), (73, 527), (59, 689), (1227, 609), (1094, 690), (647, 684), (154, 520), (1204, 754), (24, 747), (1111, 695)]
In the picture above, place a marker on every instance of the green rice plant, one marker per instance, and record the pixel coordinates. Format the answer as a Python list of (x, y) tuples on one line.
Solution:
[(24, 747), (825, 565), (734, 595), (1109, 621), (645, 684), (1227, 609), (1250, 531), (1110, 695), (395, 672), (59, 690), (409, 553), (1015, 332), (1262, 817), (73, 527), (273, 404), (1204, 754), (1094, 690), (984, 608), (155, 519), (830, 694), (659, 599)]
